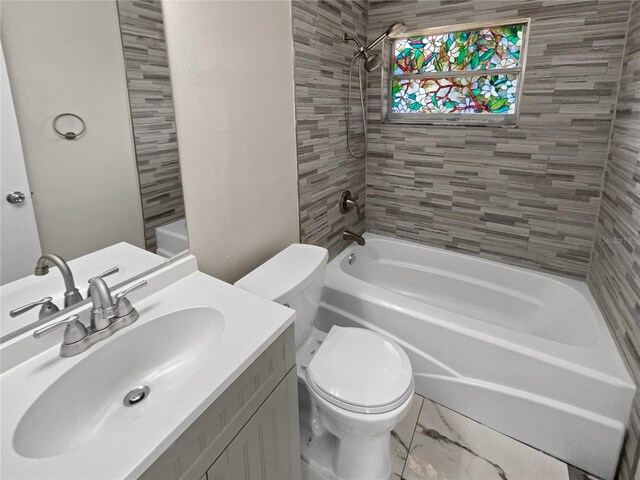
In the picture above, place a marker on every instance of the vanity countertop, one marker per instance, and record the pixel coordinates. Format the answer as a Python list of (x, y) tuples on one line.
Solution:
[(93, 435)]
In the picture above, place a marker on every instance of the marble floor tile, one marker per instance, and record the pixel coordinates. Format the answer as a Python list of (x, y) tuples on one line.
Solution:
[(577, 474), (447, 445), (435, 443), (309, 473), (402, 435)]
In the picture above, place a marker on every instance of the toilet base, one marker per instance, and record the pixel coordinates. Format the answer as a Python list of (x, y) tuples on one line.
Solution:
[(364, 458), (318, 453), (332, 463)]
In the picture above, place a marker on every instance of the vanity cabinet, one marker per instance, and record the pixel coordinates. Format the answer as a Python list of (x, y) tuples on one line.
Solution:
[(250, 431), (262, 449)]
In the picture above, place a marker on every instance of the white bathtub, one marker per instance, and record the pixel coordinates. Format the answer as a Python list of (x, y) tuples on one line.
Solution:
[(172, 238), (525, 353)]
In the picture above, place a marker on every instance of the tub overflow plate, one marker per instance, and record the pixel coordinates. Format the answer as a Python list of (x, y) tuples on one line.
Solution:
[(136, 395)]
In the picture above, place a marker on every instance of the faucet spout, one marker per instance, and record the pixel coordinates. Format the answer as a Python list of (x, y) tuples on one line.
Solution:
[(100, 293), (71, 295), (353, 237), (103, 307)]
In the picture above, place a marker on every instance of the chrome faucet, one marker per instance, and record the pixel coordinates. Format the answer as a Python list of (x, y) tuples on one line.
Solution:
[(71, 295), (103, 307), (353, 237), (107, 318), (49, 308)]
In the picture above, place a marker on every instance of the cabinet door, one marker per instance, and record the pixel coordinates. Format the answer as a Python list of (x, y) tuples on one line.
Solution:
[(268, 447)]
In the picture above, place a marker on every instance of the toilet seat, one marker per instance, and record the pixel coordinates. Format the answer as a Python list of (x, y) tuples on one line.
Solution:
[(360, 371)]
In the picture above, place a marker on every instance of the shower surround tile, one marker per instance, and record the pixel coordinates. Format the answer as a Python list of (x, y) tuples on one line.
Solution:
[(614, 277), (152, 115), (325, 166), (527, 196)]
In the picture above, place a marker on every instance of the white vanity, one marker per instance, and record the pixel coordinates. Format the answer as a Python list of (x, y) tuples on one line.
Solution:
[(220, 398)]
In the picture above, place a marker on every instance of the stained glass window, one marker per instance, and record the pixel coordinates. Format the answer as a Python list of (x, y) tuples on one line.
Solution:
[(447, 76)]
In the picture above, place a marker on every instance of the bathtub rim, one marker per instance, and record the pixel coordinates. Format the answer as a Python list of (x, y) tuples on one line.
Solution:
[(579, 359)]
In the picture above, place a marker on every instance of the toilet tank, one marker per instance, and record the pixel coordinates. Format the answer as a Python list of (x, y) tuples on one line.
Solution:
[(293, 277)]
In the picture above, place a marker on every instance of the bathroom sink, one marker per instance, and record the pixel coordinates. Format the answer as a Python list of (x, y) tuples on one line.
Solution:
[(87, 401), (65, 418)]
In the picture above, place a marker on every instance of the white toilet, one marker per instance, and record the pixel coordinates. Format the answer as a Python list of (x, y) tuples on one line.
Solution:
[(355, 384)]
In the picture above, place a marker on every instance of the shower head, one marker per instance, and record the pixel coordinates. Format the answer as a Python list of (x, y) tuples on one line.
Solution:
[(395, 29), (372, 61)]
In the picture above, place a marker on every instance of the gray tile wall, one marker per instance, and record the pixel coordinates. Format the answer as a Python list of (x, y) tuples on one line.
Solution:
[(325, 167), (154, 125), (614, 277), (527, 196)]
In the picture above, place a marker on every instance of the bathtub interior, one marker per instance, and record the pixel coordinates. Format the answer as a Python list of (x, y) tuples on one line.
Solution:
[(477, 289)]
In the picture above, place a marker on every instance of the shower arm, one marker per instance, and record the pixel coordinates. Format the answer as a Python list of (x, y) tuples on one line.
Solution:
[(348, 38), (376, 42), (362, 49)]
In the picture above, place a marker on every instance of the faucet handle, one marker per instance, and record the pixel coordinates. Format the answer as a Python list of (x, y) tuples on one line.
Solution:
[(132, 288), (111, 271), (48, 308), (347, 203), (74, 332), (123, 305)]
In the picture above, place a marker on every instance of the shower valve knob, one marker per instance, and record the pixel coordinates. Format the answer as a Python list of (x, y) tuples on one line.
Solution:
[(347, 203)]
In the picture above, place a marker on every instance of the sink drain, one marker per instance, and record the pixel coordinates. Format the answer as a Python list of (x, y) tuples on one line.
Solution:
[(136, 395)]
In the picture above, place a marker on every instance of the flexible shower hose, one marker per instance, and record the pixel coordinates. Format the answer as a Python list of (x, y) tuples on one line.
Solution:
[(364, 117)]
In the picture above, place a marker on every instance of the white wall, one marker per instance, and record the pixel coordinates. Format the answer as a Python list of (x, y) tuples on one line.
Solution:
[(232, 77), (66, 56)]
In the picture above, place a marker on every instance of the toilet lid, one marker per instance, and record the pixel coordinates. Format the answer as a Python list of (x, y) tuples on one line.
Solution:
[(361, 371)]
